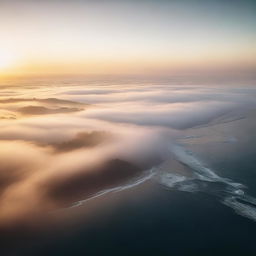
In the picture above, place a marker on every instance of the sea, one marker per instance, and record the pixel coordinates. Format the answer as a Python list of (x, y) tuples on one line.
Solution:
[(121, 166)]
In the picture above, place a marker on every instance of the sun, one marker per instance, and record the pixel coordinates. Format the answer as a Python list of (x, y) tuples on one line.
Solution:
[(7, 59)]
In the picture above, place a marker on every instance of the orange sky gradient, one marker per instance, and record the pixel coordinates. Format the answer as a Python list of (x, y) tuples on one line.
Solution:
[(118, 37)]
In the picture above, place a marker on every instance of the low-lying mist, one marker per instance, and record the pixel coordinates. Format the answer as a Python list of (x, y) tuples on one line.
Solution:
[(62, 144)]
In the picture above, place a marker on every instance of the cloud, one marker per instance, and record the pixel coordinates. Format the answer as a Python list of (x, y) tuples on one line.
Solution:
[(40, 181), (39, 110), (45, 101), (177, 116), (35, 106), (81, 140), (71, 188), (48, 160), (162, 94)]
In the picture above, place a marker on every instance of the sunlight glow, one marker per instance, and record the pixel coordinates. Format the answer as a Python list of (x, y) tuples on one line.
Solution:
[(7, 59)]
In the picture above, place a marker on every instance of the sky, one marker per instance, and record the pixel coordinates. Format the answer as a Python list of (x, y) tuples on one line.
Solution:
[(126, 37)]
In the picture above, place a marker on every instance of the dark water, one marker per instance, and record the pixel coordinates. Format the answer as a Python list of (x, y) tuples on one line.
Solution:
[(167, 223)]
